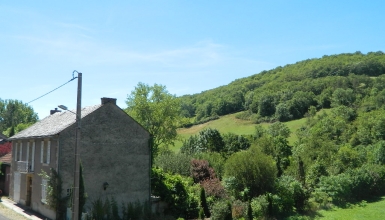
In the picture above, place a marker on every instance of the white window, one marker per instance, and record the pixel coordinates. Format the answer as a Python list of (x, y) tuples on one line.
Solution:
[(44, 183), (45, 153)]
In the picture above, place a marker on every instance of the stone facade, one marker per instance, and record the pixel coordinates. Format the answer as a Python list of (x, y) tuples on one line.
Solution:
[(114, 150)]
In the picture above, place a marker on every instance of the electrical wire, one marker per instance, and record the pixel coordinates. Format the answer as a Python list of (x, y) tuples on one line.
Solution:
[(54, 89)]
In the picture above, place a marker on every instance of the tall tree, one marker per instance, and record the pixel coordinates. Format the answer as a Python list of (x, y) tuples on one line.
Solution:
[(14, 113), (156, 110)]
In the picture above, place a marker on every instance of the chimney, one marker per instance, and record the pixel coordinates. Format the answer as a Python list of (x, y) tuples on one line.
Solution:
[(54, 111), (108, 100)]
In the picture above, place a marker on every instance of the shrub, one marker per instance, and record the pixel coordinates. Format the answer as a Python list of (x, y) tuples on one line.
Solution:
[(338, 188), (216, 161), (259, 206), (239, 209), (291, 194), (368, 180), (221, 210), (200, 170), (213, 187), (250, 169), (175, 163), (179, 192), (204, 205)]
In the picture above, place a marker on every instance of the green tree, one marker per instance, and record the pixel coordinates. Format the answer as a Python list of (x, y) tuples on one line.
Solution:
[(279, 129), (15, 112), (204, 203), (157, 111), (342, 97), (251, 170)]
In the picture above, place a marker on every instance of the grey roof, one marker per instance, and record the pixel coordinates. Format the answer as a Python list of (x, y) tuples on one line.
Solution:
[(53, 124)]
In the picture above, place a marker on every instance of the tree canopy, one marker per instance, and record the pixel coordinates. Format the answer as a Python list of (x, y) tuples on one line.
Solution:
[(15, 116), (156, 110)]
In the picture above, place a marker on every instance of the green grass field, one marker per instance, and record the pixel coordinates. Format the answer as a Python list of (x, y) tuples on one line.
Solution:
[(229, 123), (372, 211)]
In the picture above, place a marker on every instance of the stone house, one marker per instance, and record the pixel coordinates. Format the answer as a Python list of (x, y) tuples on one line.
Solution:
[(114, 153)]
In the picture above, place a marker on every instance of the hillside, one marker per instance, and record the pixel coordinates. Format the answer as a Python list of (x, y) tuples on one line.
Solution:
[(231, 124), (289, 141), (286, 93)]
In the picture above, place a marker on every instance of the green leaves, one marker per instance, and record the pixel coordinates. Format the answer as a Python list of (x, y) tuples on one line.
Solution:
[(157, 111), (15, 116)]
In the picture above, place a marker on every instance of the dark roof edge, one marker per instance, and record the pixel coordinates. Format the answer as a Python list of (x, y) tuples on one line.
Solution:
[(32, 137)]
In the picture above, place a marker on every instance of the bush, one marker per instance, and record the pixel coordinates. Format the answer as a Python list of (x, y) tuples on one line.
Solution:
[(175, 163), (250, 170), (367, 181), (179, 192), (338, 188), (216, 161), (291, 194), (221, 210), (239, 209), (259, 206), (200, 170)]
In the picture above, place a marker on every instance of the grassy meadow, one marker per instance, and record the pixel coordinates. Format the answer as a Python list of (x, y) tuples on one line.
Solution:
[(229, 123), (369, 211)]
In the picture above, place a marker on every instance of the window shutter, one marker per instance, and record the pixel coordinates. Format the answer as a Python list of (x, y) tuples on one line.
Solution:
[(21, 150), (44, 190), (16, 145), (49, 152), (41, 151), (27, 159), (33, 157)]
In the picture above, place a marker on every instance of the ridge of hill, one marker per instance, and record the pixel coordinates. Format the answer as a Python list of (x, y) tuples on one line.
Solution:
[(285, 93)]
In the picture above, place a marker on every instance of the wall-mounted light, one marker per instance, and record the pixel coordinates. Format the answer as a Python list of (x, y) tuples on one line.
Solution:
[(105, 185)]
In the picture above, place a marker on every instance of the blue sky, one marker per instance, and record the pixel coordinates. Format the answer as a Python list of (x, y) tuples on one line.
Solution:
[(188, 46)]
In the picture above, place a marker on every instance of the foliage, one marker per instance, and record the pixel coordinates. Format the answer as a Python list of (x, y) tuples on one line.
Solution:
[(221, 210), (5, 148), (278, 129), (342, 97), (259, 206), (286, 93), (157, 111), (292, 195), (208, 140), (250, 170), (234, 143), (213, 187), (216, 161), (15, 114), (108, 209), (175, 163), (82, 193), (204, 203), (180, 194), (200, 170), (54, 189)]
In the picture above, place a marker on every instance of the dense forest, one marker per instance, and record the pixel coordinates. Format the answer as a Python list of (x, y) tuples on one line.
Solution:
[(286, 93)]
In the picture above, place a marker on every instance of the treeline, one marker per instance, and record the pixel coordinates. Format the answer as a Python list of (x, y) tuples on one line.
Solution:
[(286, 93)]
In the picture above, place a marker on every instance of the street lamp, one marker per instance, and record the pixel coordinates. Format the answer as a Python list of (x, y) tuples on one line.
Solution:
[(75, 203)]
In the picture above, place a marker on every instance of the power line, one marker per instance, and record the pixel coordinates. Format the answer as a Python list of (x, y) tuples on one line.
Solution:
[(54, 89)]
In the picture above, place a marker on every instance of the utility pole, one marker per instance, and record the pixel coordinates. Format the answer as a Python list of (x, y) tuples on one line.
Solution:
[(75, 204)]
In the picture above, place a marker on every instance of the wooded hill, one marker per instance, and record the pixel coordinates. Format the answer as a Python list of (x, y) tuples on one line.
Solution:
[(337, 159), (286, 93)]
